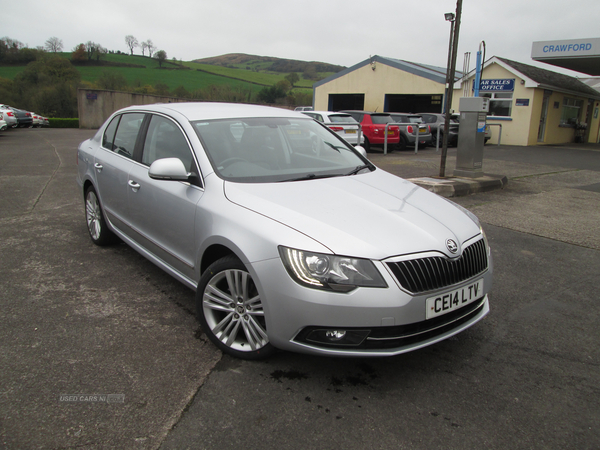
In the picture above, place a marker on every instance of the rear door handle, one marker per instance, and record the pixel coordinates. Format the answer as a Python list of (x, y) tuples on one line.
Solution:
[(98, 167), (134, 186)]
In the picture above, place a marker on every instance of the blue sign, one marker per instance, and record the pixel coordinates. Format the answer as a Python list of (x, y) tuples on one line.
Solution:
[(499, 84)]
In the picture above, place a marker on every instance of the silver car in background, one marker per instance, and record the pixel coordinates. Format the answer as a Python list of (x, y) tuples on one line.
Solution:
[(290, 237), (342, 123)]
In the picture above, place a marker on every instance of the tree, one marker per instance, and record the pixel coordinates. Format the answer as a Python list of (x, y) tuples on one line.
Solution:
[(78, 53), (48, 86), (151, 47), (54, 44), (94, 50), (293, 78), (161, 89), (182, 92), (161, 55), (147, 45), (132, 42), (111, 80)]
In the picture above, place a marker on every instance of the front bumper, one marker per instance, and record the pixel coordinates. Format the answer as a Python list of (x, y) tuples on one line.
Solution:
[(393, 319)]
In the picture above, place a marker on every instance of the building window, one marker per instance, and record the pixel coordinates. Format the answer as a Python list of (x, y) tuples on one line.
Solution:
[(500, 103), (571, 111)]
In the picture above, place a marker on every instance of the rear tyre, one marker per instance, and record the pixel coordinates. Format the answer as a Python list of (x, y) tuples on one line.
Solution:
[(94, 218), (230, 310), (402, 144)]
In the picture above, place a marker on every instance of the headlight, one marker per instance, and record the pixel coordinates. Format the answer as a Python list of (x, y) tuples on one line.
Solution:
[(330, 272)]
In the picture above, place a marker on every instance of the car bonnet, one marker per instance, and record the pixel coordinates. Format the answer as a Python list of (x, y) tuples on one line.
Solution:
[(374, 215)]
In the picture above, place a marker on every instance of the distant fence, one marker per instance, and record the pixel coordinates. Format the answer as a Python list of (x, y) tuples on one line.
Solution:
[(96, 105)]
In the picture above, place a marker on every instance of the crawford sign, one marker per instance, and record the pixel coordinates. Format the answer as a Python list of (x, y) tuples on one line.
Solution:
[(567, 48)]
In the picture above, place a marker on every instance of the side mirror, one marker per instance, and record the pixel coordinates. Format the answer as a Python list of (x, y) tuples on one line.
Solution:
[(168, 169), (360, 149)]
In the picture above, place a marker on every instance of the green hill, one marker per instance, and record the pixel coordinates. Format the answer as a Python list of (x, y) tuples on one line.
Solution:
[(248, 72)]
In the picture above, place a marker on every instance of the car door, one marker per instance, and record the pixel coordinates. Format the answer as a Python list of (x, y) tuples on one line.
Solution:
[(112, 163), (163, 211)]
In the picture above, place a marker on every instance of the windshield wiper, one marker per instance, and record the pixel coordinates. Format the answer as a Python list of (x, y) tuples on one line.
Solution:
[(359, 168), (312, 176)]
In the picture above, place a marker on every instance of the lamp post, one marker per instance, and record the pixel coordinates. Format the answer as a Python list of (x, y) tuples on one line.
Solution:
[(452, 49)]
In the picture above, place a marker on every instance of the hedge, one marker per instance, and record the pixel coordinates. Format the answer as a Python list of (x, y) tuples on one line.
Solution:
[(64, 123)]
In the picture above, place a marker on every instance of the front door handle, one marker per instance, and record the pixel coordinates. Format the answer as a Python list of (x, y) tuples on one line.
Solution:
[(134, 186)]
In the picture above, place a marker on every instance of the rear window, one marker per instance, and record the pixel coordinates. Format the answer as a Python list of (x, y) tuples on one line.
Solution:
[(337, 118), (381, 118)]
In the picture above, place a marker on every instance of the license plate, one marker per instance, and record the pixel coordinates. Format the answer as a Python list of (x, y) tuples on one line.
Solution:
[(390, 132), (447, 302), (422, 130), (350, 131)]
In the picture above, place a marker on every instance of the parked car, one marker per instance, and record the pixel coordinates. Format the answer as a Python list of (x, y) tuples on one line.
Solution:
[(303, 108), (9, 116), (287, 248), (24, 118), (339, 122), (45, 122), (38, 121), (436, 121), (373, 128), (3, 124), (411, 133)]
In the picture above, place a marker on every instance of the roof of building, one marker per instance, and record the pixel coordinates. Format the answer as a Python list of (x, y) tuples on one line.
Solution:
[(434, 73), (549, 78)]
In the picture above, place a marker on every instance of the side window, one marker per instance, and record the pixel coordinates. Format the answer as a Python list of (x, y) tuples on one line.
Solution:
[(127, 133), (165, 140), (109, 134)]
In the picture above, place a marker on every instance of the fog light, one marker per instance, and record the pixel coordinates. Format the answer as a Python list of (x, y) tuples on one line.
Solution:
[(335, 335)]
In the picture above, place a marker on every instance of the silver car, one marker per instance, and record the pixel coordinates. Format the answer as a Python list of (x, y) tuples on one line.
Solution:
[(290, 237), (343, 124)]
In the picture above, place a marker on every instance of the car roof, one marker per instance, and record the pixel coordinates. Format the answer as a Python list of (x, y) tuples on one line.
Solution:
[(329, 113), (210, 110)]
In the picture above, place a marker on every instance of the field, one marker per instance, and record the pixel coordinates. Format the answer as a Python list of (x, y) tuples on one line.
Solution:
[(251, 75)]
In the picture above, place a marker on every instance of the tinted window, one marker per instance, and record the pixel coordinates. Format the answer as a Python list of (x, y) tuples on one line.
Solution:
[(127, 132), (166, 140), (109, 134), (381, 118)]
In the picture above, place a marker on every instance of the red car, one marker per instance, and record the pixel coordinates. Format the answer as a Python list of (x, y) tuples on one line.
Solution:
[(373, 128)]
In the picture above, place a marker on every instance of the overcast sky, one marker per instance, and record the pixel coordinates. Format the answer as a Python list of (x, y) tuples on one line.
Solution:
[(342, 32)]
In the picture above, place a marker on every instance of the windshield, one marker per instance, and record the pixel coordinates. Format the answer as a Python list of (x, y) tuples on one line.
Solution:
[(265, 150)]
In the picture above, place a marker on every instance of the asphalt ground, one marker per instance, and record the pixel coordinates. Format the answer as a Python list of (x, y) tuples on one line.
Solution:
[(100, 349)]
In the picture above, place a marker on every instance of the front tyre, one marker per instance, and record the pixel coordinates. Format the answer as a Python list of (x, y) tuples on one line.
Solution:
[(94, 218), (230, 310)]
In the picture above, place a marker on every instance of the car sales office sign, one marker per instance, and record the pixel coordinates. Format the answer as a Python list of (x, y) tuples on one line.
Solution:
[(497, 85)]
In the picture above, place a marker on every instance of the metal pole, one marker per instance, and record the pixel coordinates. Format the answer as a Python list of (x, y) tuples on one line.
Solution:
[(450, 86)]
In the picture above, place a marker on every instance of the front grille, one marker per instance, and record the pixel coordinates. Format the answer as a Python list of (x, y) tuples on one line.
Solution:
[(428, 274)]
